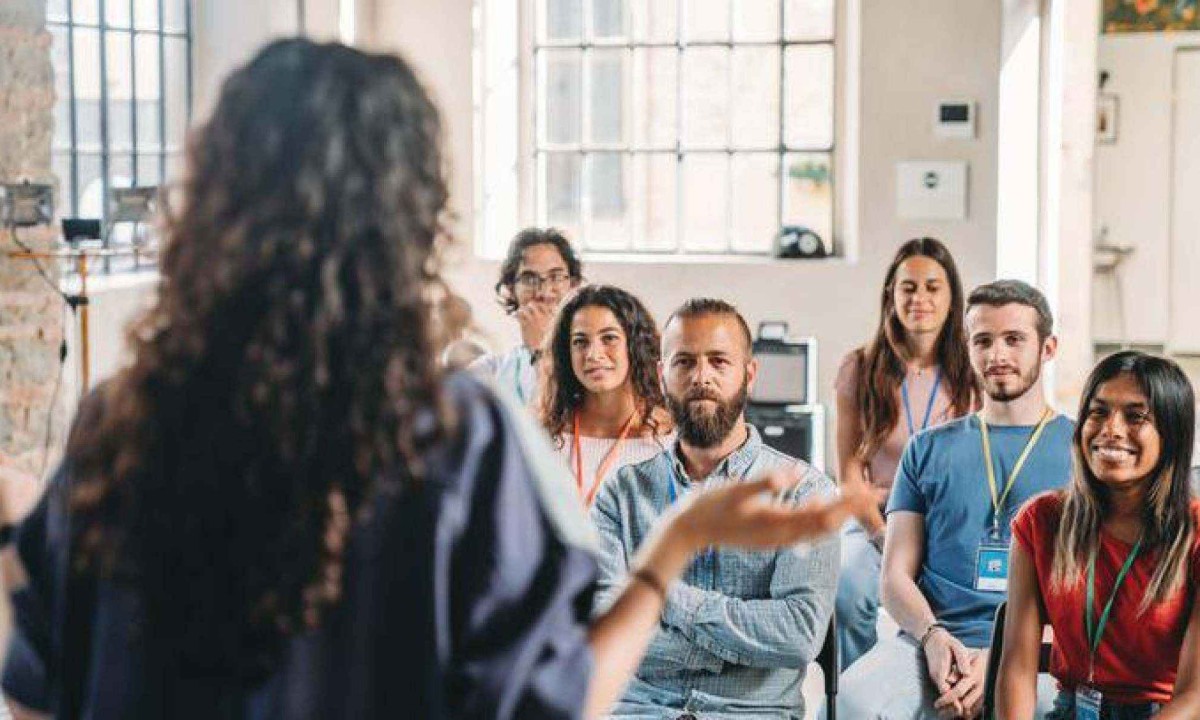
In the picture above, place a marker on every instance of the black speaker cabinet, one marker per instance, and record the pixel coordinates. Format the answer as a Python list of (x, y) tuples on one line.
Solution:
[(797, 430)]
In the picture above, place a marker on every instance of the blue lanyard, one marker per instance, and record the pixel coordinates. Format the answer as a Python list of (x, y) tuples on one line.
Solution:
[(937, 382)]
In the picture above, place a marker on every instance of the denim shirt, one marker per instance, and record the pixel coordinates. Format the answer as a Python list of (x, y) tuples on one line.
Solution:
[(740, 628)]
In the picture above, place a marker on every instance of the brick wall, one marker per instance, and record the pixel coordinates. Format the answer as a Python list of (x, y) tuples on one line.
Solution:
[(31, 320)]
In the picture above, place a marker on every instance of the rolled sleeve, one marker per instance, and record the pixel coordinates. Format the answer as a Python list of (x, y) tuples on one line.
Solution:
[(906, 493)]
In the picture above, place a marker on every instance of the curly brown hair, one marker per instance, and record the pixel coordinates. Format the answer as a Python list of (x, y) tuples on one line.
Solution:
[(561, 393), (287, 370)]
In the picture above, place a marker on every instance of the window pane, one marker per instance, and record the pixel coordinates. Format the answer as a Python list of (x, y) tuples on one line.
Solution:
[(808, 193), (120, 170), (61, 164), (87, 88), (756, 20), (145, 14), (755, 201), (655, 21), (607, 96), (560, 189), (705, 202), (707, 20), (177, 89), (91, 187), (56, 10), (561, 88), (562, 19), (608, 18), (86, 11), (116, 13), (706, 97), (809, 77), (174, 170), (756, 97), (809, 19), (655, 178), (61, 62), (175, 15), (149, 170), (655, 78), (608, 228), (120, 91)]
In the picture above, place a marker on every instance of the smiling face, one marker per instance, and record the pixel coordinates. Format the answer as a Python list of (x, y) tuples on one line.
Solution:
[(1119, 439), (921, 295), (1006, 352), (599, 350), (542, 277)]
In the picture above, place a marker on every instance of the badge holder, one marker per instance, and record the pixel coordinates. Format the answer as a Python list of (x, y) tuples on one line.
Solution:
[(1087, 703), (991, 564)]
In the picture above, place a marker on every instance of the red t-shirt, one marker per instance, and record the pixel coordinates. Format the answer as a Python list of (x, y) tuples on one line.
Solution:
[(1138, 655)]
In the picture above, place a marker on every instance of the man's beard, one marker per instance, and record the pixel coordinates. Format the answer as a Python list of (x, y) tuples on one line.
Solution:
[(703, 429), (1024, 382)]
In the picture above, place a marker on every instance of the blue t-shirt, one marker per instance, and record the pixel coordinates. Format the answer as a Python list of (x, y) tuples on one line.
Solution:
[(942, 476)]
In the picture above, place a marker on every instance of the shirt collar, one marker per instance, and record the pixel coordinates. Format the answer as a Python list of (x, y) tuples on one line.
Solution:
[(735, 464)]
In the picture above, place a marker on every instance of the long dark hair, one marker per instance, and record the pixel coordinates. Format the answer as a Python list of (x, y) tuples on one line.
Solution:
[(1167, 524), (561, 393), (881, 362), (287, 370), (527, 238)]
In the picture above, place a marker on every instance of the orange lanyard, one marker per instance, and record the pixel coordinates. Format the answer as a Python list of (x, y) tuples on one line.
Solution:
[(605, 465)]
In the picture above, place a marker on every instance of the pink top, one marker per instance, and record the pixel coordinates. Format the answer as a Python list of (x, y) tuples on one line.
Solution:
[(881, 469)]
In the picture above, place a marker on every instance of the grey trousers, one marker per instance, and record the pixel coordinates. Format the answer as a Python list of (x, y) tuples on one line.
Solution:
[(891, 682)]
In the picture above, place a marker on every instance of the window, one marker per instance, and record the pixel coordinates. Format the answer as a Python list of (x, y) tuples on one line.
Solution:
[(123, 78), (658, 126)]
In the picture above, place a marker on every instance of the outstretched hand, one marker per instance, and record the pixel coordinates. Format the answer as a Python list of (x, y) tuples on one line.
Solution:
[(749, 515)]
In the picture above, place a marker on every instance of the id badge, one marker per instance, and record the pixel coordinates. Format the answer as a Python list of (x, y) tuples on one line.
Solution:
[(1087, 703), (991, 567)]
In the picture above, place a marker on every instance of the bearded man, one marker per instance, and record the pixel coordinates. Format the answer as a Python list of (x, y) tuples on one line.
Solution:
[(945, 555), (740, 628)]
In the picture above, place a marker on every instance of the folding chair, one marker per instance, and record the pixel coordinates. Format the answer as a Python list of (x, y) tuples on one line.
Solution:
[(993, 666), (830, 660)]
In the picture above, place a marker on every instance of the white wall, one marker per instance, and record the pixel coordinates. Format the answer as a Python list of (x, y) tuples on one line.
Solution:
[(1133, 183)]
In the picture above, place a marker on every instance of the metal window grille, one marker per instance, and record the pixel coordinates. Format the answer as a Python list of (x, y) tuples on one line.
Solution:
[(123, 75), (721, 182)]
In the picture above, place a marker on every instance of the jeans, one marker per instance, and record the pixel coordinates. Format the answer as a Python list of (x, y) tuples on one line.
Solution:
[(892, 683), (1064, 709), (857, 604)]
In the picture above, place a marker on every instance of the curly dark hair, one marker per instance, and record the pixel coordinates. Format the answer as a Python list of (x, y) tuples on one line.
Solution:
[(287, 371), (527, 238), (561, 393)]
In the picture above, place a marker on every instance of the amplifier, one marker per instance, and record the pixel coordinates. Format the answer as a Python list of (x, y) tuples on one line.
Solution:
[(797, 430)]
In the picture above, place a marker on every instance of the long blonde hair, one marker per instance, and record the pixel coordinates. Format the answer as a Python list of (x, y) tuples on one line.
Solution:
[(1167, 524)]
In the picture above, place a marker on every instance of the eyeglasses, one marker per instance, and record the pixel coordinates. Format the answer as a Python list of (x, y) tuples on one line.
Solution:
[(531, 282)]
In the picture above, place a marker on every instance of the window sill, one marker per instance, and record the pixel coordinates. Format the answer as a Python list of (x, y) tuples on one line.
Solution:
[(617, 258)]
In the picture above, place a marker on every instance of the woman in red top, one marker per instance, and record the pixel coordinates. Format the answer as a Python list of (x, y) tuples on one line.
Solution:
[(1122, 539)]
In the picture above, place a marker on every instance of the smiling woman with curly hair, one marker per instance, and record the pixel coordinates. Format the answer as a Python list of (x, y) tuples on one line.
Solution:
[(281, 509), (601, 400)]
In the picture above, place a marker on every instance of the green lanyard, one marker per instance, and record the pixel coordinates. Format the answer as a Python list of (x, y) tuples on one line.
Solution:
[(998, 497), (1094, 631)]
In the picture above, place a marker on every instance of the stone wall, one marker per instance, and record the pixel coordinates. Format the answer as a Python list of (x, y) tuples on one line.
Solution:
[(31, 317)]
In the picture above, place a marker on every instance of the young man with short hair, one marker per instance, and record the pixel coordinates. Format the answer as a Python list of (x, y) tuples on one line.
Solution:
[(945, 557)]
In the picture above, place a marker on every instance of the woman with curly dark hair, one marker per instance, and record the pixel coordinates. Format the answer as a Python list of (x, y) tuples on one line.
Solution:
[(281, 508), (601, 400)]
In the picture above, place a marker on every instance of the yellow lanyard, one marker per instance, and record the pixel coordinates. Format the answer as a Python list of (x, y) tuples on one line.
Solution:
[(998, 497)]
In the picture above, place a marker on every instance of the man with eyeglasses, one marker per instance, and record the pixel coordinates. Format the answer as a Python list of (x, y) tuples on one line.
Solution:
[(541, 268)]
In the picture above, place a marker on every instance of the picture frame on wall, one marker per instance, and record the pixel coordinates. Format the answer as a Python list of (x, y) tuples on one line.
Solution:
[(1108, 117)]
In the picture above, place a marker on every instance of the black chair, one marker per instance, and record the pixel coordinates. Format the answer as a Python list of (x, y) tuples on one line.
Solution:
[(830, 661), (993, 666)]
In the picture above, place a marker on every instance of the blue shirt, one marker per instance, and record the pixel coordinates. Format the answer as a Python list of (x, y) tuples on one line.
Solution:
[(740, 628), (942, 476), (466, 596), (513, 372)]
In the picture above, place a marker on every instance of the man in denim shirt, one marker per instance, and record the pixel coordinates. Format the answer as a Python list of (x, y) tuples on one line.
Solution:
[(738, 632)]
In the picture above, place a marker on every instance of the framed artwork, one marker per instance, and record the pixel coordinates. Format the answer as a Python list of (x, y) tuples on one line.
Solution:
[(1123, 16), (1108, 116)]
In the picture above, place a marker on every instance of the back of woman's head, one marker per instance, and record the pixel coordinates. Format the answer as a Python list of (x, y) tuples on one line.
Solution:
[(882, 367), (1168, 524), (562, 392), (288, 365)]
